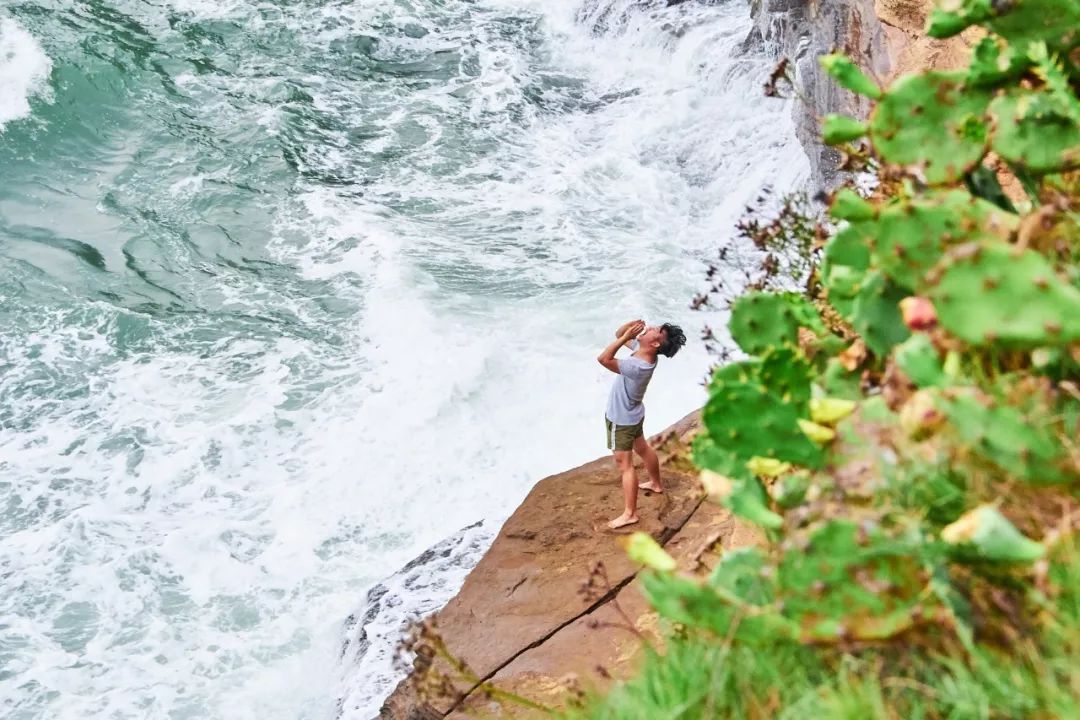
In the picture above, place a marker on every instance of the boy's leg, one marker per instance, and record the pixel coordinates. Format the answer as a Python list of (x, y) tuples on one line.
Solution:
[(652, 464), (625, 462)]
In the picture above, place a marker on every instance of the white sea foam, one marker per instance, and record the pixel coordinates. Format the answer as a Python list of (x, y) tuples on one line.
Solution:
[(191, 521), (628, 199), (24, 71), (213, 9)]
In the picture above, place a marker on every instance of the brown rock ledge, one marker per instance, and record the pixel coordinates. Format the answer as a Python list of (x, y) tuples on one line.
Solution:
[(519, 619)]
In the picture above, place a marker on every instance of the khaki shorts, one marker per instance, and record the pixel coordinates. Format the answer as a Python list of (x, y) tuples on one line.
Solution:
[(622, 437)]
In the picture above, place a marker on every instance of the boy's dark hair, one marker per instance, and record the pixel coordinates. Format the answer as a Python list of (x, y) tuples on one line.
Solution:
[(674, 338)]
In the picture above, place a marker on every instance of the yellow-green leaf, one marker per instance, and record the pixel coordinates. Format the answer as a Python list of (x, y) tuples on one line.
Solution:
[(818, 433), (829, 411), (642, 549), (767, 467), (992, 536)]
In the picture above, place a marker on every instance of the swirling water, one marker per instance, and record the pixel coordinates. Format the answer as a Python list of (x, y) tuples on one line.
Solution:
[(292, 290)]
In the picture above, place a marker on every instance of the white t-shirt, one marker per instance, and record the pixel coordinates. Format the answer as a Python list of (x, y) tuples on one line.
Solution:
[(625, 406)]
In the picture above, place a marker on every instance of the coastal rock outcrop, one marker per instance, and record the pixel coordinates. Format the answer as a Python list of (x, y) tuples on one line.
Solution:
[(521, 620), (885, 37)]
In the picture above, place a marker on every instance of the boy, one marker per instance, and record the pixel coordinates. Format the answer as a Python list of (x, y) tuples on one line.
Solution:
[(625, 414)]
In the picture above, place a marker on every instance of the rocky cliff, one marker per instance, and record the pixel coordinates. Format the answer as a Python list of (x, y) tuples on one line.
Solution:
[(886, 38), (520, 620)]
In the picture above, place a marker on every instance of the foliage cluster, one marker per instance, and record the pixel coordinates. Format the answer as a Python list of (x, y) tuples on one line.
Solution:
[(907, 436)]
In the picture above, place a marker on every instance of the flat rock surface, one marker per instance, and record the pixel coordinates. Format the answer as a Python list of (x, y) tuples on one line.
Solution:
[(602, 645), (526, 589)]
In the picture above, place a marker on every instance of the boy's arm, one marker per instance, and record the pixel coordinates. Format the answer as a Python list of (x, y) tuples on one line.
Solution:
[(629, 331)]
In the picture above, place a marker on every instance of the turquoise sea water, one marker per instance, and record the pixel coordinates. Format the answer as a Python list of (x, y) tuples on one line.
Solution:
[(290, 291)]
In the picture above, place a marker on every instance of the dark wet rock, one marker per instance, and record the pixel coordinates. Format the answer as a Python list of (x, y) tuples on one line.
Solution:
[(802, 31), (422, 586)]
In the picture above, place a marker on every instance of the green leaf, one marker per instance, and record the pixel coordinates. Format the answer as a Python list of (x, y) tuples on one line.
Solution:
[(919, 360), (845, 72), (946, 24), (837, 129), (848, 205)]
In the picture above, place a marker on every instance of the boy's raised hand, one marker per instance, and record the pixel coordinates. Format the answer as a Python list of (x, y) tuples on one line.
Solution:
[(633, 329)]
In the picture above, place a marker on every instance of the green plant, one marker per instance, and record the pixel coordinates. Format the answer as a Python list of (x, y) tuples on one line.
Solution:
[(905, 432), (912, 529), (934, 121)]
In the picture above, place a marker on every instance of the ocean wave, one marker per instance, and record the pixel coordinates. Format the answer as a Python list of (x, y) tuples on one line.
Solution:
[(24, 71), (289, 290), (373, 632)]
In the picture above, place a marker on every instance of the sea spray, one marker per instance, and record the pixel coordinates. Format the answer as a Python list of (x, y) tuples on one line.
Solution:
[(292, 293), (24, 71)]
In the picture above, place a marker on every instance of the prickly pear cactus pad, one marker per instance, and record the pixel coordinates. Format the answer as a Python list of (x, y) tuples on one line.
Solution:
[(848, 74), (933, 121), (986, 534), (684, 601), (1021, 21), (919, 360), (906, 434), (848, 583), (994, 62), (843, 266), (849, 205), (748, 499), (1035, 131), (1002, 294), (910, 236), (738, 373), (876, 313), (838, 129), (1024, 22), (749, 421), (1005, 437), (760, 321), (739, 583), (787, 373)]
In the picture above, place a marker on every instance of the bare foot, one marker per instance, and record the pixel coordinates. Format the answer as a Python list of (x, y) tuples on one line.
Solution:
[(653, 487), (622, 521)]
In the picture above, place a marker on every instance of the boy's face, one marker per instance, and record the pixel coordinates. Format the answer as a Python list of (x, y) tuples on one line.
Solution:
[(653, 336)]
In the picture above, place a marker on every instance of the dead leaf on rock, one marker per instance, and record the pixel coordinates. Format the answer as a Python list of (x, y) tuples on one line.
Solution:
[(896, 387), (854, 356)]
